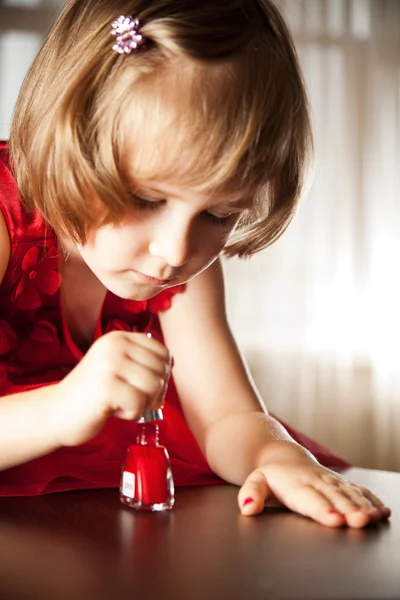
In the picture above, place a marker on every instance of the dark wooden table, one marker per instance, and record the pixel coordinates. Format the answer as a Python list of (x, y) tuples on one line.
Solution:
[(87, 546)]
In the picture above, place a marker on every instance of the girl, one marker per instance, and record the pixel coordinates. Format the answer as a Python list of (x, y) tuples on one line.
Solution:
[(136, 160)]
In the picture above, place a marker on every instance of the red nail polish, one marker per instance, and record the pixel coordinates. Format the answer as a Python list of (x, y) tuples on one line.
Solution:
[(147, 482), (248, 501), (332, 511)]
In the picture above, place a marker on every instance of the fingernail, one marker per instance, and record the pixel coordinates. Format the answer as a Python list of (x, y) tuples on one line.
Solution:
[(247, 501), (372, 509), (332, 511)]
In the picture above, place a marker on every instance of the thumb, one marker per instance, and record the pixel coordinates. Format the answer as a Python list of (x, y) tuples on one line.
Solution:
[(254, 493)]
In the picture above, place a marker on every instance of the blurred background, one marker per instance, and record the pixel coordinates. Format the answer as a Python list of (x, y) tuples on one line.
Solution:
[(316, 314)]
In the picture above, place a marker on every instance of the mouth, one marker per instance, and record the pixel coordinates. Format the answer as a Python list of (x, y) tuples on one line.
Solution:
[(151, 279)]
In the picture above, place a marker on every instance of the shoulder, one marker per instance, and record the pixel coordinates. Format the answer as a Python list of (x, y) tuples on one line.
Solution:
[(207, 287), (5, 246), (10, 201), (202, 306), (21, 224), (5, 242), (3, 150)]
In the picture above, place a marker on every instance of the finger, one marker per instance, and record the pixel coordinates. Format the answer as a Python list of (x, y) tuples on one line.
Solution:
[(377, 502), (253, 494), (142, 405), (368, 508), (346, 506), (343, 498), (148, 359), (158, 401), (127, 415), (127, 403), (142, 339), (351, 501), (143, 380), (310, 502)]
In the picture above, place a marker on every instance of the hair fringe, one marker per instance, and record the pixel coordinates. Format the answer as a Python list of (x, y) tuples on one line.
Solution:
[(230, 92)]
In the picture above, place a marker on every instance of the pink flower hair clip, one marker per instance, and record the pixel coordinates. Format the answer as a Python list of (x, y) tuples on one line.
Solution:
[(126, 30)]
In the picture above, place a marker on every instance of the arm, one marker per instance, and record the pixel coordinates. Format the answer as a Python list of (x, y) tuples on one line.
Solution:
[(219, 400), (241, 442), (121, 375), (25, 430), (27, 426)]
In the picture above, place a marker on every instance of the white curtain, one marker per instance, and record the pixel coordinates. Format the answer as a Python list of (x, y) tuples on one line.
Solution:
[(23, 24), (317, 314)]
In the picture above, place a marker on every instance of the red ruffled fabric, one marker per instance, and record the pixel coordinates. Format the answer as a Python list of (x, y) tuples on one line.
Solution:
[(36, 349), (39, 275)]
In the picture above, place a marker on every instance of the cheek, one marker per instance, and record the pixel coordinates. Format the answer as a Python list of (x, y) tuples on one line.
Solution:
[(210, 244), (108, 248), (216, 237)]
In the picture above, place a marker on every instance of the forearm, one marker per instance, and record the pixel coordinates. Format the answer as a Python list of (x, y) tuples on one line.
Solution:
[(27, 426), (237, 444)]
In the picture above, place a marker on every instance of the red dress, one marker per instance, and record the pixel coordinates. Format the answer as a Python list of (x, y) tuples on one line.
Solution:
[(36, 349)]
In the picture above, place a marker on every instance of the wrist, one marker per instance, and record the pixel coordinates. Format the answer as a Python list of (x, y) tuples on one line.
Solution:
[(284, 451), (60, 416), (51, 415)]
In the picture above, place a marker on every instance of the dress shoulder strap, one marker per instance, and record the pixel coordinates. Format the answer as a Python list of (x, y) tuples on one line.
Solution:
[(21, 224)]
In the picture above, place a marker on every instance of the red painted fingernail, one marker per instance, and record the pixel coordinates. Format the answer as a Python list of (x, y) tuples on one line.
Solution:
[(332, 511), (248, 501)]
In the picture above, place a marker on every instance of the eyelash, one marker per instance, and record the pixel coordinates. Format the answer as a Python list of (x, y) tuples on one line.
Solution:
[(154, 205)]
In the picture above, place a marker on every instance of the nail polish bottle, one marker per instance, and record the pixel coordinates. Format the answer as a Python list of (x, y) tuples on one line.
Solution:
[(147, 482)]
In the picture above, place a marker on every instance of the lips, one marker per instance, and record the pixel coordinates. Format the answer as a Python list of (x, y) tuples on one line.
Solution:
[(151, 279)]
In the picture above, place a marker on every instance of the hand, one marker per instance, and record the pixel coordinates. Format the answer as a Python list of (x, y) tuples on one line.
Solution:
[(122, 374), (308, 488)]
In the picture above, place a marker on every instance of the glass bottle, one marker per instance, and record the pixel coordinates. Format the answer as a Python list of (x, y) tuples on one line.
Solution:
[(147, 482)]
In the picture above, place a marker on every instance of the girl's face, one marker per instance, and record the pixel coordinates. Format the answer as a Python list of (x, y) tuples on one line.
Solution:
[(169, 236)]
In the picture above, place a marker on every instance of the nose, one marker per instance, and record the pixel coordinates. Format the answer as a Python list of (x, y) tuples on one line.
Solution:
[(172, 245)]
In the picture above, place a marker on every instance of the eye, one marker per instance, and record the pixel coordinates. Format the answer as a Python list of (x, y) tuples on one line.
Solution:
[(219, 220), (146, 203)]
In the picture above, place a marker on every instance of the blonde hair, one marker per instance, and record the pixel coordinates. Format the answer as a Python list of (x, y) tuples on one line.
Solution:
[(215, 100)]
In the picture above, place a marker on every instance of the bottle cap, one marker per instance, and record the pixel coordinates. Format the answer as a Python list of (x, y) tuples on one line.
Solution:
[(151, 415)]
